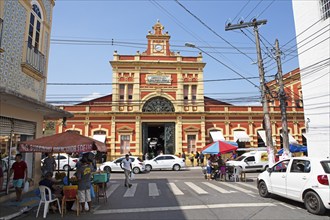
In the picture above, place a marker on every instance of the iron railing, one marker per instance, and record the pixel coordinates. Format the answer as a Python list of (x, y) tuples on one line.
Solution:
[(1, 24), (35, 58)]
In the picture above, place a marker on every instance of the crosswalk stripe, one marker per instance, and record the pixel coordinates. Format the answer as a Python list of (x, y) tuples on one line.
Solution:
[(237, 187), (196, 188), (111, 189), (153, 190), (176, 191), (248, 185), (219, 189), (131, 191)]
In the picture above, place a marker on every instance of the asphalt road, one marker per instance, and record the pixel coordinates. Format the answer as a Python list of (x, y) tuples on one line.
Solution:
[(187, 195)]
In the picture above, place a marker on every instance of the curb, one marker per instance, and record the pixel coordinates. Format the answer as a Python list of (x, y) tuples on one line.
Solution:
[(14, 215)]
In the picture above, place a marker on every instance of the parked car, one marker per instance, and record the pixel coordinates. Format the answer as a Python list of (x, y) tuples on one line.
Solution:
[(65, 164), (301, 179), (165, 161), (114, 166), (251, 161)]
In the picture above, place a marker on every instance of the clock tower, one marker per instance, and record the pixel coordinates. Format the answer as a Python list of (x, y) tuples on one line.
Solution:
[(158, 42)]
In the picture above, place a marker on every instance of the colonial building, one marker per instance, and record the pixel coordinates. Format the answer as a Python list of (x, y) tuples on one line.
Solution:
[(158, 104), (25, 27)]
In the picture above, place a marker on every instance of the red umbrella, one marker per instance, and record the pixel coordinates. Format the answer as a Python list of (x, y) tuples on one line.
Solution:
[(66, 142), (218, 147)]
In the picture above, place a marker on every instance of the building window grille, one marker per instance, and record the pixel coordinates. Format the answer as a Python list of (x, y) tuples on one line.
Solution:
[(185, 93), (193, 93), (99, 132), (124, 144), (130, 93), (121, 92), (325, 8), (191, 143)]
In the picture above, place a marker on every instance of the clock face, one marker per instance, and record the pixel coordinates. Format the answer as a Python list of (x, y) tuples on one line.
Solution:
[(158, 47)]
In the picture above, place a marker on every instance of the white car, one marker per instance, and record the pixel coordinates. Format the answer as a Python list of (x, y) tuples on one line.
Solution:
[(301, 179), (165, 161), (65, 164), (114, 166)]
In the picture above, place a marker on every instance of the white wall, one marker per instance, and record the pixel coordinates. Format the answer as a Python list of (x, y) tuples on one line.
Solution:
[(313, 42)]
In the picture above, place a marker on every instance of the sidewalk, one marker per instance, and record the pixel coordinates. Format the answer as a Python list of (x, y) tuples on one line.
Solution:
[(11, 209)]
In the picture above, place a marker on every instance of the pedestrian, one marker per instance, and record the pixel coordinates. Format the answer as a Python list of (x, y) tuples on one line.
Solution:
[(19, 168), (183, 155), (197, 157), (49, 164), (84, 174), (179, 155), (208, 168), (201, 158), (233, 156), (129, 153), (192, 157), (126, 165)]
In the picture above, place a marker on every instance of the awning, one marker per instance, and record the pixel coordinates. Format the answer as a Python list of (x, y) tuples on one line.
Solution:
[(241, 136), (48, 111), (262, 134), (217, 136), (291, 139), (99, 137)]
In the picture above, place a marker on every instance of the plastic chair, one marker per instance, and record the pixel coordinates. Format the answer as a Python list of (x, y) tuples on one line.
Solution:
[(46, 198), (236, 174), (70, 193)]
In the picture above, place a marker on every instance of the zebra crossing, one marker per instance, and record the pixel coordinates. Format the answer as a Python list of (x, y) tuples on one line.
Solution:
[(199, 188)]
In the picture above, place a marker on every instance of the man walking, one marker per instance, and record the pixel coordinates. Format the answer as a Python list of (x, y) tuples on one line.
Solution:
[(126, 165), (19, 169), (49, 164)]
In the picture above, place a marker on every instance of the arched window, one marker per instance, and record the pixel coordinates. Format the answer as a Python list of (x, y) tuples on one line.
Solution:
[(158, 104), (35, 28)]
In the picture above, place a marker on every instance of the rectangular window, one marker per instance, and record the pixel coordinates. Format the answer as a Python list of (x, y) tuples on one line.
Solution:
[(325, 8), (185, 93), (191, 143), (124, 144), (121, 92), (130, 92), (193, 93)]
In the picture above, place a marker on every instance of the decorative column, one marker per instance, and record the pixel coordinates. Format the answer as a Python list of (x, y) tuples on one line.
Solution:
[(227, 128), (113, 137), (138, 143), (203, 131), (178, 129)]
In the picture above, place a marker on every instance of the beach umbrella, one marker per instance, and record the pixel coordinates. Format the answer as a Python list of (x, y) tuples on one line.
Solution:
[(218, 147)]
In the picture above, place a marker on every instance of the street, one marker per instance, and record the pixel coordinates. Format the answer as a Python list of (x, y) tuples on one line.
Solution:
[(187, 195)]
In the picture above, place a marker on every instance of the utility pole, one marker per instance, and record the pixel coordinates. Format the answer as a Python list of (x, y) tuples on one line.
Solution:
[(282, 97), (264, 101)]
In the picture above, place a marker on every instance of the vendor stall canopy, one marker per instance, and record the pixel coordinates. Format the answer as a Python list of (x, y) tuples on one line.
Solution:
[(66, 142)]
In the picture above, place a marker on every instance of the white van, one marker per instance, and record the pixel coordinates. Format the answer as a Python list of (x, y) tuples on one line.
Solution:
[(251, 161)]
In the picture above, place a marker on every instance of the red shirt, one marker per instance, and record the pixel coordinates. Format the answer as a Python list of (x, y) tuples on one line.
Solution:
[(19, 170)]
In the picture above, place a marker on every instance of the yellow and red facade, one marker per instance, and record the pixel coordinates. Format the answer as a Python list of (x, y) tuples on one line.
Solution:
[(159, 93)]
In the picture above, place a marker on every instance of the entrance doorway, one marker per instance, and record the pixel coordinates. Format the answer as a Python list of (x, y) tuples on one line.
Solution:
[(158, 138)]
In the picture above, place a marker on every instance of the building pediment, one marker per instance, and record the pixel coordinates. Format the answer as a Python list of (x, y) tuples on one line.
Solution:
[(125, 129), (191, 129)]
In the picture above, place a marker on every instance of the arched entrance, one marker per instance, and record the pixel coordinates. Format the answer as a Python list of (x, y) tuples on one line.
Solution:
[(158, 137)]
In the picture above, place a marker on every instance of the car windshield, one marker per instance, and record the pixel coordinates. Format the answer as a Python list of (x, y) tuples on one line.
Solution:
[(240, 158), (326, 166)]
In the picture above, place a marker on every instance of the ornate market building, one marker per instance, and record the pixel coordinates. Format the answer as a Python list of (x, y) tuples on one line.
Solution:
[(158, 104)]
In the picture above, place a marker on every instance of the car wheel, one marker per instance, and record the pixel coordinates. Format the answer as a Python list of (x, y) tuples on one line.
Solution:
[(263, 191), (148, 168), (107, 169), (176, 167), (66, 167), (136, 170), (313, 203)]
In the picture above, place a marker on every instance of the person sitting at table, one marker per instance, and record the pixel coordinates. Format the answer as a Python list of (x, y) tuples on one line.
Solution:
[(55, 189)]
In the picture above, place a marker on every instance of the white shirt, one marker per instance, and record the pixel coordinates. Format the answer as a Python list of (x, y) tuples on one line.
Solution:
[(126, 164)]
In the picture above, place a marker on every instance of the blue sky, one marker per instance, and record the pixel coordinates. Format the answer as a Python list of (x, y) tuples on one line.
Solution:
[(128, 22)]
